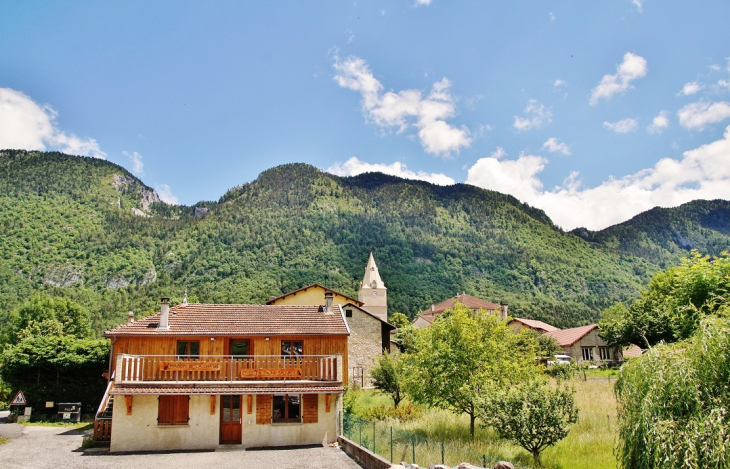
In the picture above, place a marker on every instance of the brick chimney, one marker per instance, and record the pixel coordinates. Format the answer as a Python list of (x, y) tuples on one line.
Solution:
[(164, 314)]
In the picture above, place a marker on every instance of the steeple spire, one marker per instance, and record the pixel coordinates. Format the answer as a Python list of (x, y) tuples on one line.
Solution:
[(372, 276)]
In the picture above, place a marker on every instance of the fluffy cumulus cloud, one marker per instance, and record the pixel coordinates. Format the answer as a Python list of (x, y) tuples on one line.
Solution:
[(27, 125), (659, 123), (553, 146), (354, 166), (536, 115), (422, 2), (407, 108), (702, 113), (637, 4), (165, 193), (632, 67), (623, 126), (690, 88), (702, 173), (137, 163)]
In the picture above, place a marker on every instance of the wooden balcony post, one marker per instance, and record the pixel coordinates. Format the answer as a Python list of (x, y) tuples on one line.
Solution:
[(338, 366), (119, 369)]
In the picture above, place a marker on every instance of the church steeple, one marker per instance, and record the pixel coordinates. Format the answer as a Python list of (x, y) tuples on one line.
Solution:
[(373, 293)]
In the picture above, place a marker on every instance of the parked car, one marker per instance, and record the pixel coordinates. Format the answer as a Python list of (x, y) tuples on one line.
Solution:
[(560, 360)]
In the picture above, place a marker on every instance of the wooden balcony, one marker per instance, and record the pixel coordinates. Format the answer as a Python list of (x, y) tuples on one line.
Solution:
[(226, 368)]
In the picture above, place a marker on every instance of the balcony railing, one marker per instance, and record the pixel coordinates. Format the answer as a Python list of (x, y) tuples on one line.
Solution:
[(227, 368)]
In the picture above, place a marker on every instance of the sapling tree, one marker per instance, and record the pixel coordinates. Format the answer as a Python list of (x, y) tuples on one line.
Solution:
[(388, 376), (533, 415)]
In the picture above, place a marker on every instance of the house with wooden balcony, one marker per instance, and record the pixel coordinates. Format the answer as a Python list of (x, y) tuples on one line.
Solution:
[(197, 376)]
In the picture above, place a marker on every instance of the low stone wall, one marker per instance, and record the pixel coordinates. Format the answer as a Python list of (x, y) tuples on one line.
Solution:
[(366, 458)]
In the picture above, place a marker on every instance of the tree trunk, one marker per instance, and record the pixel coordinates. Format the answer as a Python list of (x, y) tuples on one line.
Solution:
[(536, 457), (472, 417)]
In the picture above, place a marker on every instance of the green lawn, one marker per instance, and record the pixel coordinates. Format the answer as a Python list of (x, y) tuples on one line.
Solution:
[(588, 446)]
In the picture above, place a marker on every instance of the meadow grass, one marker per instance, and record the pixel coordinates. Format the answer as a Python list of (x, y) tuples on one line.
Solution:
[(589, 445)]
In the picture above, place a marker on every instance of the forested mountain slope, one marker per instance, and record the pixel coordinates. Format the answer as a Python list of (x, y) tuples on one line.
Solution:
[(89, 230)]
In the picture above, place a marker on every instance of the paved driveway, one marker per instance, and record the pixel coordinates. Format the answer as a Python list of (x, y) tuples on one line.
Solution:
[(57, 448)]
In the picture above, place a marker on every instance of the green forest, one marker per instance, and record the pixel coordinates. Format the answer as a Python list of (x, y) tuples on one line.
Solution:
[(88, 230)]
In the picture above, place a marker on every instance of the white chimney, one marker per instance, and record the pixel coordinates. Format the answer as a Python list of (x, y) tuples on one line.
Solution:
[(505, 310), (164, 314), (328, 298), (130, 317)]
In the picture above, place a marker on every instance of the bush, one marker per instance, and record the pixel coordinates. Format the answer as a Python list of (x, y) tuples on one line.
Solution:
[(404, 412)]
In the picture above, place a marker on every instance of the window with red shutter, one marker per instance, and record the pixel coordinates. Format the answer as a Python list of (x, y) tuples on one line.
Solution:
[(173, 410)]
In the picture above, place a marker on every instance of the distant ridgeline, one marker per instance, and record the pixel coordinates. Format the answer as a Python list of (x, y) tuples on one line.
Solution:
[(89, 230)]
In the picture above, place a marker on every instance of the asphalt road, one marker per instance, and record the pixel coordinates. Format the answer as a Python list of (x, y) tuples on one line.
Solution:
[(58, 448)]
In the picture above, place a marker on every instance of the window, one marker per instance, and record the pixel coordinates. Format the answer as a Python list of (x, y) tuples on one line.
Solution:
[(173, 410), (348, 313), (188, 349), (587, 354), (287, 408), (291, 348), (604, 353)]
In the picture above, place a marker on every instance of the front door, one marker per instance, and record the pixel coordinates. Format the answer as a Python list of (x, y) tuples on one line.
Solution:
[(231, 419)]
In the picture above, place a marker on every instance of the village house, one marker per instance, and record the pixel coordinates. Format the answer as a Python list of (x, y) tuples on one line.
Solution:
[(584, 344), (518, 324), (366, 319), (426, 318), (197, 376)]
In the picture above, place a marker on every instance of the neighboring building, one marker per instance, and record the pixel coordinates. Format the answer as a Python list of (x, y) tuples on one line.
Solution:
[(426, 318), (584, 344), (518, 324), (373, 295), (196, 376), (369, 333)]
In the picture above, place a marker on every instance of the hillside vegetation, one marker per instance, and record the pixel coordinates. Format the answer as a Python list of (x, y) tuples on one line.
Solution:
[(89, 230)]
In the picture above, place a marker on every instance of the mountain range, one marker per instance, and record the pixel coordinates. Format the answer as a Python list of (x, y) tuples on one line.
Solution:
[(90, 230)]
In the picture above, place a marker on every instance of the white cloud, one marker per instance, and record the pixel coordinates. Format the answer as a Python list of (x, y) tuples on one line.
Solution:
[(702, 173), (553, 146), (724, 84), (560, 83), (689, 88), (698, 115), (537, 116), (137, 164), (632, 67), (551, 16), (659, 123), (623, 126), (638, 4), (422, 2), (407, 108), (354, 166), (165, 193), (27, 125)]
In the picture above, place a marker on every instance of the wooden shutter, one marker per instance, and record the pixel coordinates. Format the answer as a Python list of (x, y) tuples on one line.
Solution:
[(263, 409), (310, 413), (173, 410)]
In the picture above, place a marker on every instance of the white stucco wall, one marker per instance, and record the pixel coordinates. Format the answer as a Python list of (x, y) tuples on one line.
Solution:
[(287, 434), (140, 432)]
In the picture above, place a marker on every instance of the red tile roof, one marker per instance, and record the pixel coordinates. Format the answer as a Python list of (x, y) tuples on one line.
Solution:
[(294, 292), (228, 320), (538, 325), (230, 388), (471, 302), (567, 337)]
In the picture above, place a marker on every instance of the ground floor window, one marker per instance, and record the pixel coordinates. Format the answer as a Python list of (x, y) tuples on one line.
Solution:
[(287, 408), (173, 410), (604, 353), (587, 354)]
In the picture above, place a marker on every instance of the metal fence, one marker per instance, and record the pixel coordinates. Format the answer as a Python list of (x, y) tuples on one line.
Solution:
[(397, 445)]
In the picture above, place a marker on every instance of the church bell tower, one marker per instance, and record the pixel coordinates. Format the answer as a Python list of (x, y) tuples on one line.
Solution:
[(373, 293)]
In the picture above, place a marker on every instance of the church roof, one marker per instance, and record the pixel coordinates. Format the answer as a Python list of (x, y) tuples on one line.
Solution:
[(372, 276)]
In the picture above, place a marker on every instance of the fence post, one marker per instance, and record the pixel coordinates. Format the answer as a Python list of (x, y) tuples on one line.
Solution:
[(374, 438), (413, 440), (442, 452), (391, 445), (360, 426), (484, 460)]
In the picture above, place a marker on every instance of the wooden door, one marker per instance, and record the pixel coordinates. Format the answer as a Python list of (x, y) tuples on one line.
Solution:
[(231, 419)]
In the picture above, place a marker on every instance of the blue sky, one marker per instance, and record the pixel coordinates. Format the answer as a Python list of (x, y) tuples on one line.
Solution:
[(591, 110)]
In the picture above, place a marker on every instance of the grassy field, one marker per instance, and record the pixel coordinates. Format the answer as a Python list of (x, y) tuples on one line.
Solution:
[(588, 446)]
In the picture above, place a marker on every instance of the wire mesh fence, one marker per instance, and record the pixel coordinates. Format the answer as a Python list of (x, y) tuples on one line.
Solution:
[(398, 445)]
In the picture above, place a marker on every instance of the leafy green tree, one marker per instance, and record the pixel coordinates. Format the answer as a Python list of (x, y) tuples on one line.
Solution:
[(464, 356), (672, 307), (533, 415), (674, 400), (405, 338), (388, 376), (56, 368), (50, 316), (399, 320)]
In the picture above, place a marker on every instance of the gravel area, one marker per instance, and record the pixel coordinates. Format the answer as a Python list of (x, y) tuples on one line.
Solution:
[(57, 447)]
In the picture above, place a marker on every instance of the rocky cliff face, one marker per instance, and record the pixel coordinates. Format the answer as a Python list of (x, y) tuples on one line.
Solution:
[(147, 197)]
